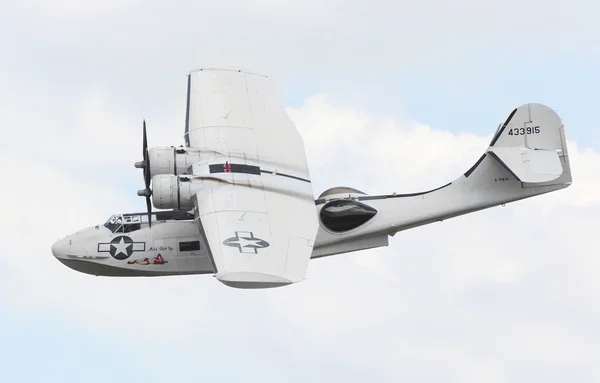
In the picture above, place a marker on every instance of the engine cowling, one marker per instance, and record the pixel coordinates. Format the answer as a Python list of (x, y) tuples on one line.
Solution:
[(172, 160), (174, 191)]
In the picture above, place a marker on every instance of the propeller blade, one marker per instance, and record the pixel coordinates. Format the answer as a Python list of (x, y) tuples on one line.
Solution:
[(147, 176), (146, 158), (149, 206), (144, 141), (145, 165)]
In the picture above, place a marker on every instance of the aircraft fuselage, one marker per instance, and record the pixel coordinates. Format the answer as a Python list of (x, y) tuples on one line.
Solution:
[(126, 245), (170, 247)]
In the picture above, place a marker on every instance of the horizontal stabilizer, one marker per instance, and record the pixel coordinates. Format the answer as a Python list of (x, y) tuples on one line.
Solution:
[(529, 165)]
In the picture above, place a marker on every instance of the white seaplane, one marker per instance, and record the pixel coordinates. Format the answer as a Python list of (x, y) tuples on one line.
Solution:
[(237, 200)]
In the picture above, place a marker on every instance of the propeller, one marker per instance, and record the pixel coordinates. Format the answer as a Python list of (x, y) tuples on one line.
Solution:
[(145, 165)]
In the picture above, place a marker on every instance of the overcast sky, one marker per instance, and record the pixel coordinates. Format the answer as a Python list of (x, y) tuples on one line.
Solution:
[(389, 96)]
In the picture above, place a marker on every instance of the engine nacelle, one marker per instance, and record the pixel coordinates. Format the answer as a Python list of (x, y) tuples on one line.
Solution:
[(174, 192), (172, 160)]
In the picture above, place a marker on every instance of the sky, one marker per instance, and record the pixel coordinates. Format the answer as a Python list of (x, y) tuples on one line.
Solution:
[(388, 96)]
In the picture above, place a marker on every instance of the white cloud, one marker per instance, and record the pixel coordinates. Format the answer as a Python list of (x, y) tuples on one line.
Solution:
[(466, 268), (502, 295)]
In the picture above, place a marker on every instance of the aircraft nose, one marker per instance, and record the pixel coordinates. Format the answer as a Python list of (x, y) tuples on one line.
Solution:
[(59, 248)]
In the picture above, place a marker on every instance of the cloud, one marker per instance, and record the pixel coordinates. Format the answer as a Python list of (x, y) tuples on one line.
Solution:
[(433, 58), (506, 294), (488, 284), (501, 295)]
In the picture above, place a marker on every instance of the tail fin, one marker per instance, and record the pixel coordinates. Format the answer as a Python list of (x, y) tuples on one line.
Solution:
[(531, 146)]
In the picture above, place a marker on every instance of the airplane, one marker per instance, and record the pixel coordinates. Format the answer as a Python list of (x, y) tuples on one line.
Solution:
[(236, 201)]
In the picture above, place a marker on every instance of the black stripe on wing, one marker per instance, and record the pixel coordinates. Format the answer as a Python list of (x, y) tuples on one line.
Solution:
[(248, 169)]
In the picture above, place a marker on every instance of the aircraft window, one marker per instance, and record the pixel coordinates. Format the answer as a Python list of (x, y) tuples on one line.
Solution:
[(127, 228), (114, 223), (131, 219), (343, 215), (189, 246)]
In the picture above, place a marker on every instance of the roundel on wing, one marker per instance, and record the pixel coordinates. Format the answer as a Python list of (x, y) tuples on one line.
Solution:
[(246, 242)]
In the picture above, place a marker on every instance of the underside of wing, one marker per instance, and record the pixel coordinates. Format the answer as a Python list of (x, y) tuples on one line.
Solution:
[(239, 113), (256, 203), (260, 228)]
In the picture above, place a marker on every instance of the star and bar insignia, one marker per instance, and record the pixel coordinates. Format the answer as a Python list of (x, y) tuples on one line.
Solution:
[(121, 247), (246, 243)]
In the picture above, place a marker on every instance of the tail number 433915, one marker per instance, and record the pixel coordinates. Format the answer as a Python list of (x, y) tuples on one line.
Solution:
[(523, 131)]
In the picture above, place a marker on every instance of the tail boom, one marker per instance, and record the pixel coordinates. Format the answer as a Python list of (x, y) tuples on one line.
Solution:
[(527, 157)]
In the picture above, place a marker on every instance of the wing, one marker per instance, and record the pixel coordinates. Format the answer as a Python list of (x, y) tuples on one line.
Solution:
[(238, 112), (256, 207)]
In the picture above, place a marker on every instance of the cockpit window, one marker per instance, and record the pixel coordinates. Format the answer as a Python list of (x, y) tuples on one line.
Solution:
[(124, 223), (114, 223)]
